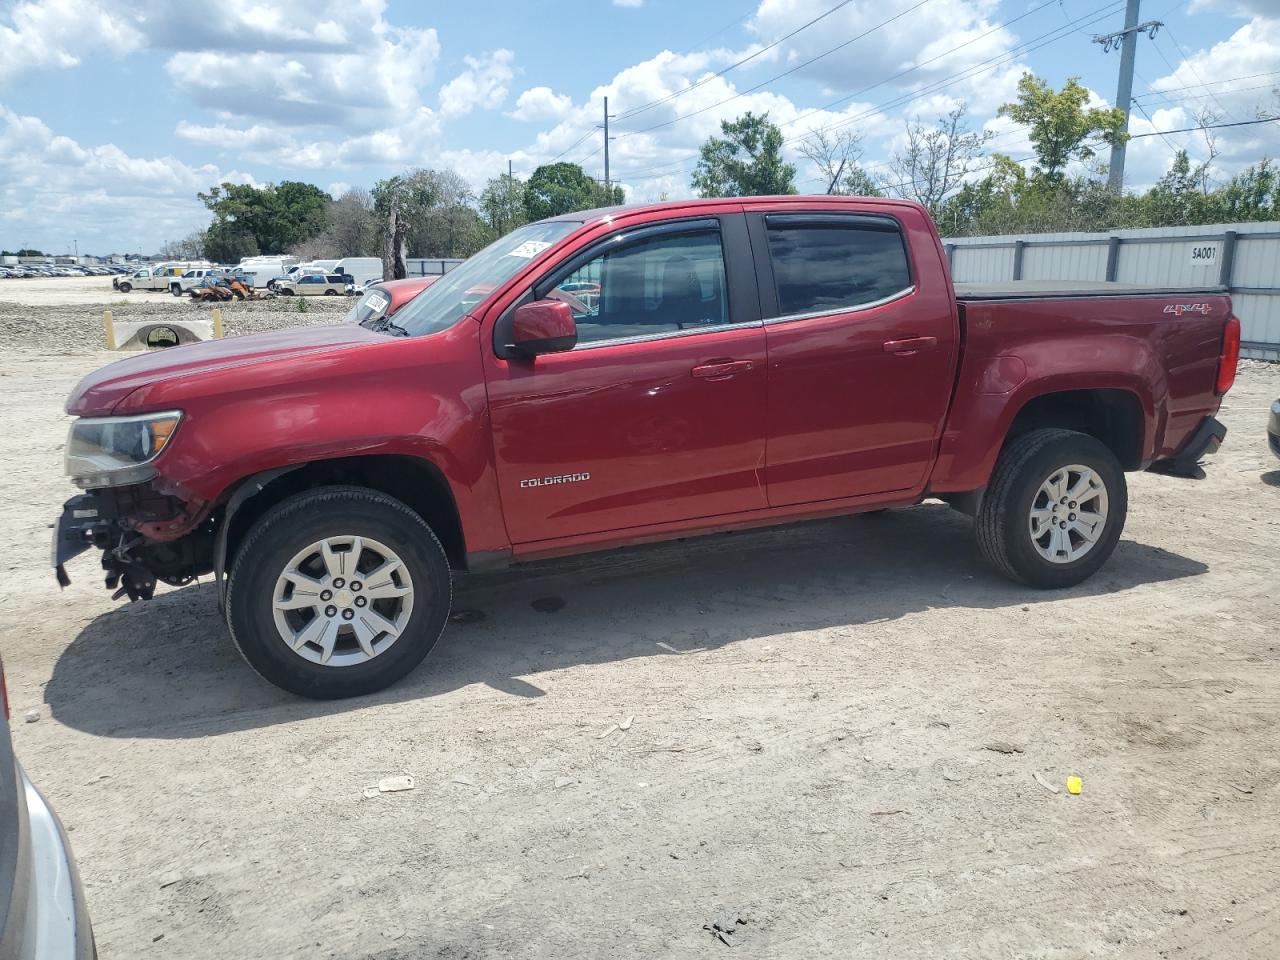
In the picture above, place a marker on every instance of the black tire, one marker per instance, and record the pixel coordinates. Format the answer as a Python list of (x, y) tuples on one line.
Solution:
[(125, 287), (1002, 521), (308, 518)]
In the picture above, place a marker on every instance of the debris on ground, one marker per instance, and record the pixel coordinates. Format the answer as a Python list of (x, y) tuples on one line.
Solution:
[(466, 616), (1043, 782), (31, 716), (565, 782), (1074, 785), (395, 784), (728, 930), (613, 728), (626, 724), (464, 780), (1002, 746)]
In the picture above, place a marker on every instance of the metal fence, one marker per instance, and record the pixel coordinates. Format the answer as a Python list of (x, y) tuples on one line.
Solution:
[(1242, 259), (428, 266)]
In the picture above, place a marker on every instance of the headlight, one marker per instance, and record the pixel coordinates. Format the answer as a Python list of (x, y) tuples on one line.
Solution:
[(117, 451)]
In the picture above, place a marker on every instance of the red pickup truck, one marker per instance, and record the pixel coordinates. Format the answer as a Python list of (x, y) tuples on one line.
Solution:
[(619, 376)]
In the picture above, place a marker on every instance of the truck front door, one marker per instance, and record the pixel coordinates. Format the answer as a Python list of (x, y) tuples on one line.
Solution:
[(658, 414), (862, 341)]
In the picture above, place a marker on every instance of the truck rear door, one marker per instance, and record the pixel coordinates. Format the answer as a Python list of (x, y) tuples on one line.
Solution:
[(862, 336)]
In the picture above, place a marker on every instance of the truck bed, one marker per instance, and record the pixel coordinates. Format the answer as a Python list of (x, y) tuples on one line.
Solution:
[(1067, 289)]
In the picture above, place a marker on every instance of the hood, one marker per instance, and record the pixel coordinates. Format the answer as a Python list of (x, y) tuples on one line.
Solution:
[(101, 391)]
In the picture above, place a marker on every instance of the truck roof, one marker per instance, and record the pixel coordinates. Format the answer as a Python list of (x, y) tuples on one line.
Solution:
[(584, 216)]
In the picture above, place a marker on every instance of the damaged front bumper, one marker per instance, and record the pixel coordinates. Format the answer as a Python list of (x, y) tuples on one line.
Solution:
[(89, 520)]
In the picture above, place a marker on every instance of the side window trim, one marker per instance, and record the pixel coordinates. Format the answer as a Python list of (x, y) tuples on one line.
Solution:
[(757, 226), (735, 249)]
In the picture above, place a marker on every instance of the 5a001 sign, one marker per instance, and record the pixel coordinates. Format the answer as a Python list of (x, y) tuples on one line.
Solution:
[(1206, 254)]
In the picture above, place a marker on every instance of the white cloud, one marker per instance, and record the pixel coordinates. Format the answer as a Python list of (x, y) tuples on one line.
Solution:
[(482, 85), (56, 34), (541, 103), (101, 196)]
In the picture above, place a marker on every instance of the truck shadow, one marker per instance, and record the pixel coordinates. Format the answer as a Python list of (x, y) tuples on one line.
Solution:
[(166, 669)]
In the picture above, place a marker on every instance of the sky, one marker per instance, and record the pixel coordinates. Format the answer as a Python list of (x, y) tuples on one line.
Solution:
[(114, 114)]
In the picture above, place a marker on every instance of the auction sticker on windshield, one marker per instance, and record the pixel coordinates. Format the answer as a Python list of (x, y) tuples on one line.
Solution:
[(529, 249)]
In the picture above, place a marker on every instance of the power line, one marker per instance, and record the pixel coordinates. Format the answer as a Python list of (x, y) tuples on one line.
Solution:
[(1206, 126), (693, 86), (915, 67), (1186, 59), (785, 73), (969, 72)]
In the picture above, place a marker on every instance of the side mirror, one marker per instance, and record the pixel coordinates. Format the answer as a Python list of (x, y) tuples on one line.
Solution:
[(543, 326)]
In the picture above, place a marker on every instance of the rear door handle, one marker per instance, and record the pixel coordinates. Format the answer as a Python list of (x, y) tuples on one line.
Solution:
[(721, 369), (910, 345)]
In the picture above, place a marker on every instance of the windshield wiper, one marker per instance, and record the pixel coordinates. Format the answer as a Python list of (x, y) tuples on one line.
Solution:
[(384, 325)]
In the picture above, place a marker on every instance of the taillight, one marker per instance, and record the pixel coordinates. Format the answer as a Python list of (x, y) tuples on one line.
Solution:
[(1230, 357)]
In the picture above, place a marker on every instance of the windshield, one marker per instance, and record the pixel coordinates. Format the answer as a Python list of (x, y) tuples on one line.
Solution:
[(447, 300)]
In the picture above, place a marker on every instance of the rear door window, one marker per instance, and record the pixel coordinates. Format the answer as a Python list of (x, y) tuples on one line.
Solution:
[(826, 263)]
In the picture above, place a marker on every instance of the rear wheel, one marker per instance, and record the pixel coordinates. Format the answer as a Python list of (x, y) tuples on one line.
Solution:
[(338, 592), (331, 293), (1054, 510)]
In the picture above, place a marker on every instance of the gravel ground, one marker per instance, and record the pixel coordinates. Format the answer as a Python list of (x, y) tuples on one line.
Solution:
[(29, 324), (827, 737)]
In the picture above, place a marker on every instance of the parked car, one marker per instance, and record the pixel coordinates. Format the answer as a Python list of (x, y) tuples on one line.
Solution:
[(381, 301), (42, 905), (190, 278), (747, 362), (313, 285), (160, 276), (1273, 428)]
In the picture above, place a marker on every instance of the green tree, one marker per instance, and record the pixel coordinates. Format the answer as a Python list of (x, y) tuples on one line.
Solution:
[(1252, 194), (558, 188), (1060, 128), (502, 204), (25, 252), (271, 219), (745, 162)]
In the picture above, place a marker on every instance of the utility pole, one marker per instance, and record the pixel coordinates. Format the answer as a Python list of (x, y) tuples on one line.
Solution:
[(1127, 41), (509, 177), (608, 192)]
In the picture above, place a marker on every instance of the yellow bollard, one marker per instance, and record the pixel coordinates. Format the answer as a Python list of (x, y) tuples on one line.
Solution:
[(109, 329), (217, 324)]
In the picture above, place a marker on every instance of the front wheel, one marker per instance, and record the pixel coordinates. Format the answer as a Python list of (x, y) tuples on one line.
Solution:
[(338, 592), (1054, 510), (125, 287)]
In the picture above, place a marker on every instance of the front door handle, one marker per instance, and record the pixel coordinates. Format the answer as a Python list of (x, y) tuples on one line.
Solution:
[(721, 369), (909, 346)]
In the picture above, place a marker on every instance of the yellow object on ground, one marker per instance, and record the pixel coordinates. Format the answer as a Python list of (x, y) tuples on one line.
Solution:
[(1074, 784)]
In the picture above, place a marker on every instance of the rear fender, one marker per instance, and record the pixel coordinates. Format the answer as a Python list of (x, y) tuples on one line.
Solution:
[(992, 390)]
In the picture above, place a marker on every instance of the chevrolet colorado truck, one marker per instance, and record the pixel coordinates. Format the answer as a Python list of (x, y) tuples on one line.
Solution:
[(737, 363)]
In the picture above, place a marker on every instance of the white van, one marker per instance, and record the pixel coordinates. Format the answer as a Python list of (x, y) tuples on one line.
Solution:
[(266, 269), (362, 270)]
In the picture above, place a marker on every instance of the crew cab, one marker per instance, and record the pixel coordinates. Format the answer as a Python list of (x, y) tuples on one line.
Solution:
[(627, 375), (190, 278)]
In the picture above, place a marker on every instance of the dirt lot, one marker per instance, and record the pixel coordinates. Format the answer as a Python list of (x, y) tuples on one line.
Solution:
[(808, 729)]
